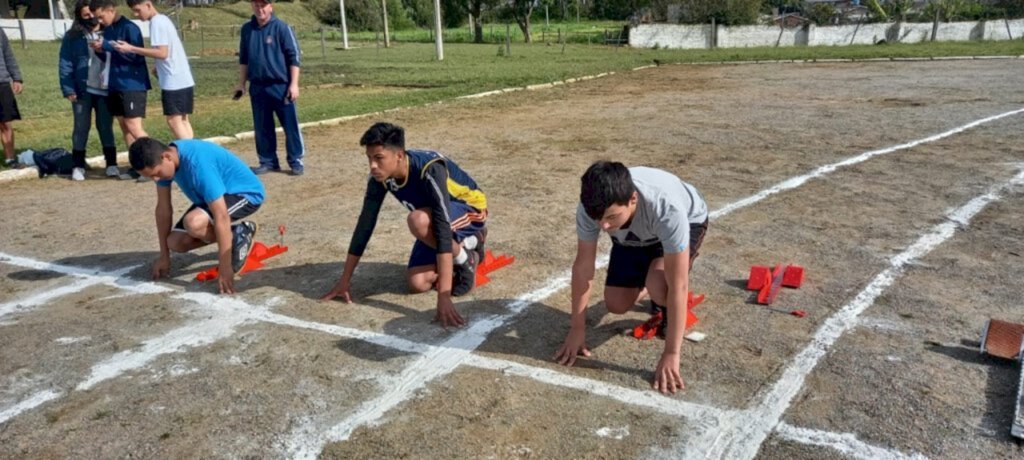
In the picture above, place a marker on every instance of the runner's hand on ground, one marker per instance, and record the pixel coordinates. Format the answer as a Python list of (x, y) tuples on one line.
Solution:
[(447, 315), (666, 376), (575, 345), (341, 288), (162, 267)]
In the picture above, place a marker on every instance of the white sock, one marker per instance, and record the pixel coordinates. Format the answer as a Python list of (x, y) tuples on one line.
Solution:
[(461, 258), (469, 243)]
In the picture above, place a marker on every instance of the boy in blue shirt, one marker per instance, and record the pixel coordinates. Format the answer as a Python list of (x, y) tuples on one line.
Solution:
[(222, 190)]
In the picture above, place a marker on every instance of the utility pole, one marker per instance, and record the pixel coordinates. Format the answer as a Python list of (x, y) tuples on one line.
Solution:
[(344, 27)]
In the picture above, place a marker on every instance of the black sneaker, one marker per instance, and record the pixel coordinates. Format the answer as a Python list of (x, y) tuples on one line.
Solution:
[(657, 310), (481, 237), (11, 163), (464, 276), (243, 236)]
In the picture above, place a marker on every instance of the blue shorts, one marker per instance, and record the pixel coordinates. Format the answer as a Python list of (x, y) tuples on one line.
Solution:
[(466, 221)]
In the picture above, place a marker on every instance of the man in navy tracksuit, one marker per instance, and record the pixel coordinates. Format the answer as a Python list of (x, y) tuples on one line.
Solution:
[(268, 57), (129, 77)]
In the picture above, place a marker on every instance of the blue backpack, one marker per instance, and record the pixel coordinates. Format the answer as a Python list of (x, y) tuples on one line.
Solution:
[(53, 161)]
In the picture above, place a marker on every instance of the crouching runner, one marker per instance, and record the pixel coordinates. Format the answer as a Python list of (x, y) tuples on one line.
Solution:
[(447, 212), (222, 190)]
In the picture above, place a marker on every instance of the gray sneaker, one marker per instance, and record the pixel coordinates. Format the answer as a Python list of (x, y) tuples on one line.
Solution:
[(242, 238)]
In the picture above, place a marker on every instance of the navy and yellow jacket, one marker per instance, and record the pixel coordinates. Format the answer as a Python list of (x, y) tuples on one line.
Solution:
[(432, 182)]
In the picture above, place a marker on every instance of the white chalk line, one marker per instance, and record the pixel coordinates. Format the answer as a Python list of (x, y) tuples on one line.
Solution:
[(845, 443), (743, 439), (826, 169), (431, 366), (649, 399), (232, 312), (29, 403), (344, 429)]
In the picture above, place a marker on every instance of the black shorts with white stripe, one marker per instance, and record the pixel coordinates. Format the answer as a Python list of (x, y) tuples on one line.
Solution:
[(239, 207)]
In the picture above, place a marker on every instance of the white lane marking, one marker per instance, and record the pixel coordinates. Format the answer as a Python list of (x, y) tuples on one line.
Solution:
[(434, 363), (431, 366), (743, 439), (644, 398), (224, 315), (48, 294), (31, 402), (846, 443), (795, 182)]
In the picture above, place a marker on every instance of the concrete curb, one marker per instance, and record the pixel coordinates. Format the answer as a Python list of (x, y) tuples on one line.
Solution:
[(122, 157)]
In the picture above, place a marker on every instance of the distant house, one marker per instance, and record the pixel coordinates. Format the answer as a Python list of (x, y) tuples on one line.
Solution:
[(789, 20)]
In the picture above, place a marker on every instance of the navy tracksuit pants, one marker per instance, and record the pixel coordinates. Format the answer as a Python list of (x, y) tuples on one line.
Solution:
[(267, 101)]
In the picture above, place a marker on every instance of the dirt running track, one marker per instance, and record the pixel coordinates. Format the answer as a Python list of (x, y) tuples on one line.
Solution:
[(98, 364)]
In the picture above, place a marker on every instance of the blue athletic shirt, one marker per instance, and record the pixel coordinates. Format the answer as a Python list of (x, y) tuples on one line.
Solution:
[(207, 171)]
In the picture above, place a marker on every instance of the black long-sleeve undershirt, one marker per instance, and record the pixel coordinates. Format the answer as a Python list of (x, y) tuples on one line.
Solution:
[(436, 179)]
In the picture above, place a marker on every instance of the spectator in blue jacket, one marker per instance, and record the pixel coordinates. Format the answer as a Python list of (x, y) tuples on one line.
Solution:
[(129, 76), (268, 58), (83, 81), (10, 84)]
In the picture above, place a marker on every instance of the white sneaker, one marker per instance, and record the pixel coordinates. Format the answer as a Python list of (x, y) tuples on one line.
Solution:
[(112, 171), (78, 174)]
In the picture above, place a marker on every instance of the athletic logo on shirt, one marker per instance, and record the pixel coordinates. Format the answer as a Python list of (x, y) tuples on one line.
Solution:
[(270, 40)]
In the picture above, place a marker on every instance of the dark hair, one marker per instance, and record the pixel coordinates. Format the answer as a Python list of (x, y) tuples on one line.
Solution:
[(384, 134), (605, 183), (132, 3), (76, 26), (146, 153), (100, 4)]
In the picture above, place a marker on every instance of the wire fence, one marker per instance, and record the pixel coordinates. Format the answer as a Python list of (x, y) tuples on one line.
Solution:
[(210, 38)]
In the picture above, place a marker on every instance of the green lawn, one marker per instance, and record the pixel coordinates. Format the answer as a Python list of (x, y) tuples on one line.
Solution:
[(367, 78)]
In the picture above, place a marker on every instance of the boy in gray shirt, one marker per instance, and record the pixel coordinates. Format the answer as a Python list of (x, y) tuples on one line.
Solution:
[(657, 223), (10, 84)]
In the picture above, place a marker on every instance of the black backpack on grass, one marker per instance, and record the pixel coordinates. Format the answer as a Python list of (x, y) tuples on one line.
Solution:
[(53, 161)]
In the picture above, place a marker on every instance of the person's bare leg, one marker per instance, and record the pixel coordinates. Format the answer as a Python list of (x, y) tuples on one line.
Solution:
[(419, 226), (134, 126), (421, 279), (180, 126), (619, 300), (7, 137)]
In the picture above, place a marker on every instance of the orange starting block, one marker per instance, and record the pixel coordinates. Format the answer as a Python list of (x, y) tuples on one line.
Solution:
[(649, 329), (490, 264), (257, 255)]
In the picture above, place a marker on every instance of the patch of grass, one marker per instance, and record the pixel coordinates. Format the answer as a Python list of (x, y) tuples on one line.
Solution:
[(368, 79)]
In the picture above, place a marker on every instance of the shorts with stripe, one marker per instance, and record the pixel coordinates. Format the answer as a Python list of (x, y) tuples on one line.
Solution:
[(127, 104), (466, 221), (239, 207)]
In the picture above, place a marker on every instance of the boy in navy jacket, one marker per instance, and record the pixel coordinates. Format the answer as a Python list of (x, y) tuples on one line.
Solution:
[(129, 76)]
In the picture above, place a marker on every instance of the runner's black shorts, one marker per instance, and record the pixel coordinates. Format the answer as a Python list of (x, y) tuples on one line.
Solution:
[(629, 265), (239, 207)]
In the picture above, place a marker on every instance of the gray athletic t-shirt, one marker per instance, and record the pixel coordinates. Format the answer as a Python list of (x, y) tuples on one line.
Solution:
[(666, 206)]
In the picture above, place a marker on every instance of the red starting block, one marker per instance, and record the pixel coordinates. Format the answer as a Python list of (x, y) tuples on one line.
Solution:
[(257, 255), (490, 264), (768, 282), (650, 329)]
